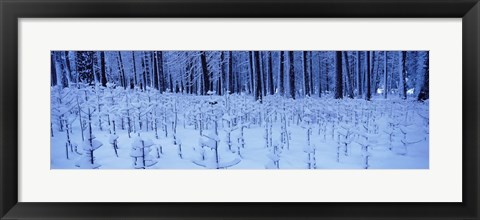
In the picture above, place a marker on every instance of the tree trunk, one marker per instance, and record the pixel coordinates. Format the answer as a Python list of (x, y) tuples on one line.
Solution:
[(155, 71), (320, 89), (206, 75), (102, 68), (305, 75), (122, 71), (270, 74), (134, 69), (349, 80), (424, 91), (230, 73), (161, 74), (68, 66), (250, 61), (359, 76), (53, 69), (327, 81), (222, 74), (338, 76), (258, 89), (385, 87), (310, 72), (145, 71), (369, 92), (291, 76), (281, 74), (404, 74)]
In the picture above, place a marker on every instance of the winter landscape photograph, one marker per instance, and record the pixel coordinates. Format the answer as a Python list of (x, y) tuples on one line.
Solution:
[(239, 110)]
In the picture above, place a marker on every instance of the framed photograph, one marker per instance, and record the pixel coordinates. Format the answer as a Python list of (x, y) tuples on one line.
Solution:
[(224, 109)]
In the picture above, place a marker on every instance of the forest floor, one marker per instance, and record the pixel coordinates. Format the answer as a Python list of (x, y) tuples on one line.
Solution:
[(322, 133)]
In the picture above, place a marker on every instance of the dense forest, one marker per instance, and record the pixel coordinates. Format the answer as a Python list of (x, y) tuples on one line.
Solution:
[(239, 109), (352, 74)]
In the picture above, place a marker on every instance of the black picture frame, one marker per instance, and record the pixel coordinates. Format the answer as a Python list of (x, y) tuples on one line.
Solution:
[(12, 10)]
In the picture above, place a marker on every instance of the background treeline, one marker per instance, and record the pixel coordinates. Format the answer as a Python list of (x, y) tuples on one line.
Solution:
[(292, 74)]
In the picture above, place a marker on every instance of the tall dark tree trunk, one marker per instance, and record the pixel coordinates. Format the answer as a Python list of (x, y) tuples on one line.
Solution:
[(327, 78), (192, 83), (53, 69), (121, 68), (349, 77), (206, 74), (102, 69), (281, 74), (369, 92), (250, 61), (338, 75), (320, 88), (424, 90), (376, 80), (291, 76), (310, 72), (162, 85), (385, 92), (64, 71), (134, 69), (230, 73), (263, 76), (258, 81), (270, 74), (404, 74), (306, 77), (359, 76), (145, 71), (220, 83), (155, 71)]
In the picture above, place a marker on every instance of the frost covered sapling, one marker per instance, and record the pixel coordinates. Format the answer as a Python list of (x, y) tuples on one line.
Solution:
[(113, 139), (274, 156), (127, 112), (140, 153), (365, 145), (88, 160), (179, 143)]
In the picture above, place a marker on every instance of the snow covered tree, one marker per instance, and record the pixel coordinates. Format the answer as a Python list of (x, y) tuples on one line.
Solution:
[(140, 153), (84, 65)]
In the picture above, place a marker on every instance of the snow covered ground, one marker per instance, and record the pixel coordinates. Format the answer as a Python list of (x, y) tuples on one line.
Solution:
[(180, 131)]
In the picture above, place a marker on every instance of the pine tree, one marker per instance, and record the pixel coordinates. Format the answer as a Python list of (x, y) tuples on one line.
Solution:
[(85, 66)]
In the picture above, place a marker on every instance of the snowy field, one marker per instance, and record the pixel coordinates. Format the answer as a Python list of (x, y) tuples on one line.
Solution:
[(112, 128)]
